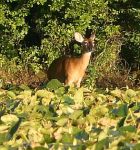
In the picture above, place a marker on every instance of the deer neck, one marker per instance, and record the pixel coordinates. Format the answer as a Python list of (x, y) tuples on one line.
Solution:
[(85, 58)]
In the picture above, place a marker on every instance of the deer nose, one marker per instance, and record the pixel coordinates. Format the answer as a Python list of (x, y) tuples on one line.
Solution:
[(91, 48)]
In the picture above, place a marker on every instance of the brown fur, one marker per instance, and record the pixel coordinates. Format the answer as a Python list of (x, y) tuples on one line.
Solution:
[(70, 70)]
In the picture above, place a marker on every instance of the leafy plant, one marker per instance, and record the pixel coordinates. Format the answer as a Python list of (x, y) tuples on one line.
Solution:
[(48, 119)]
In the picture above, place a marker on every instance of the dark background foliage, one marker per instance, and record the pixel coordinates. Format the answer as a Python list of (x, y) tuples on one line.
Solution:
[(35, 32)]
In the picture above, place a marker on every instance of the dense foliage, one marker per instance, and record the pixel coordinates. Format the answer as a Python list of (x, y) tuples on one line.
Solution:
[(69, 118), (35, 32)]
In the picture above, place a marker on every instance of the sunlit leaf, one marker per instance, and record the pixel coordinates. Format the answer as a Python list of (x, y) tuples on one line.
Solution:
[(45, 94), (3, 128), (103, 134), (62, 121), (117, 93), (11, 94), (130, 93), (4, 148), (9, 119), (76, 114), (78, 97), (24, 87)]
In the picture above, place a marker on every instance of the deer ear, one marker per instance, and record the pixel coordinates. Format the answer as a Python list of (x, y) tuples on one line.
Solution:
[(78, 37), (92, 36)]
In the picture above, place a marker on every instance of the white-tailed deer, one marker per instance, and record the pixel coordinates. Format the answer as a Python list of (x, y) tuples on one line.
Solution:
[(71, 70)]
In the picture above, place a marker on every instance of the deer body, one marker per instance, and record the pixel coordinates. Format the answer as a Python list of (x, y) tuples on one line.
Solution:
[(71, 70)]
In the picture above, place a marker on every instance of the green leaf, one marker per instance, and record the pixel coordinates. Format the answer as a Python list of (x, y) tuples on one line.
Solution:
[(82, 135), (68, 100), (78, 97), (13, 130), (129, 128), (24, 87), (76, 114), (137, 146), (2, 138), (54, 84), (45, 111), (60, 91), (122, 111), (45, 94), (40, 148), (4, 148), (121, 122), (103, 134), (102, 144), (62, 121), (48, 138), (9, 119), (11, 94), (130, 93), (67, 138), (117, 93)]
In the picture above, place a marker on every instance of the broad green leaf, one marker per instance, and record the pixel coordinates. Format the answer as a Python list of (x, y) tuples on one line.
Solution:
[(68, 100), (78, 97), (25, 95), (129, 128), (45, 110), (130, 93), (45, 94), (75, 130), (24, 87), (48, 138), (54, 84), (9, 119), (122, 110), (103, 134), (11, 94), (62, 121), (60, 91), (13, 130), (76, 114), (67, 138), (103, 144), (82, 135), (121, 122)]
